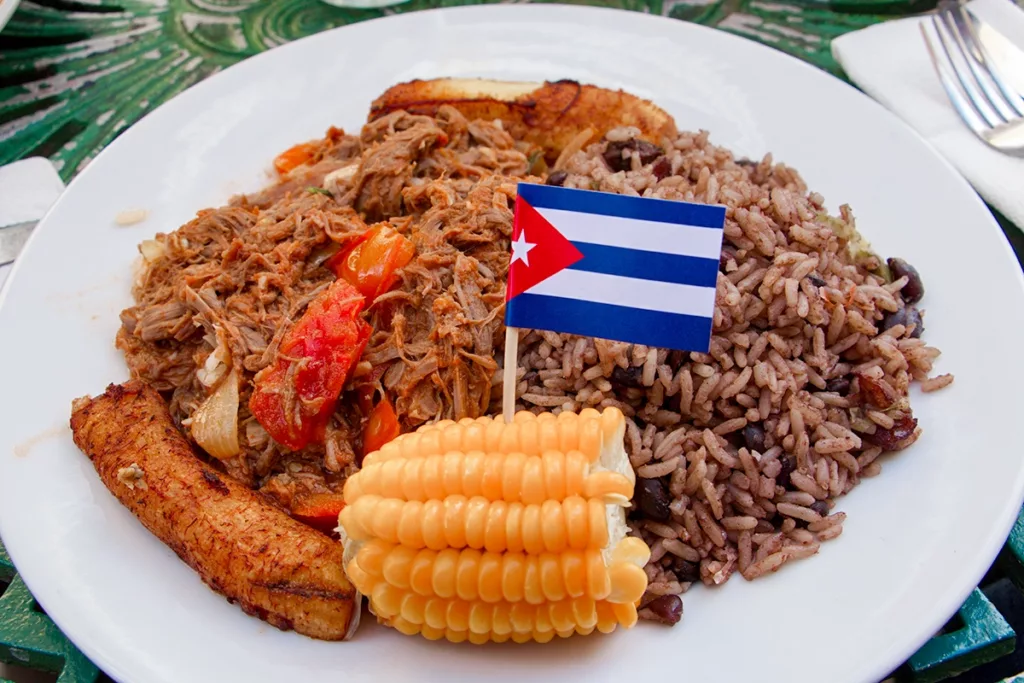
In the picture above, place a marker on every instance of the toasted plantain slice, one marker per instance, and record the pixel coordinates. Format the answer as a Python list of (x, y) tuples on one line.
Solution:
[(551, 115), (274, 567)]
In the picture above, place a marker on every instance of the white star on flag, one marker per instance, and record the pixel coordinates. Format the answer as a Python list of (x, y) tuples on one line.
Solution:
[(521, 249)]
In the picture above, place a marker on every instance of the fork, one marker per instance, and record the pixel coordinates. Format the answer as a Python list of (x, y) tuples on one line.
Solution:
[(980, 93)]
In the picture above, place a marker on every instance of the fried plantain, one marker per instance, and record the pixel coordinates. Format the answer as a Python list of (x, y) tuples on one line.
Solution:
[(550, 115), (254, 554)]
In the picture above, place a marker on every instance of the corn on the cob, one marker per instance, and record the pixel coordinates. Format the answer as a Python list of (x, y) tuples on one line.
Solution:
[(512, 477), (538, 626), (491, 577), (504, 618), (458, 522), (593, 433), (486, 531)]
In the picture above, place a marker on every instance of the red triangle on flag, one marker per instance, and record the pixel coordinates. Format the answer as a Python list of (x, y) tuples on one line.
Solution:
[(538, 250)]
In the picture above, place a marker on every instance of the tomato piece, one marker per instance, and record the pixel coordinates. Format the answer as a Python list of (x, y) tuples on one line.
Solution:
[(382, 427), (293, 399), (318, 510), (371, 263), (293, 157)]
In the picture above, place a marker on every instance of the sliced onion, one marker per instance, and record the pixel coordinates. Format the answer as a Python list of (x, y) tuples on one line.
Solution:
[(152, 250), (338, 177), (322, 254), (214, 424), (216, 363), (256, 435)]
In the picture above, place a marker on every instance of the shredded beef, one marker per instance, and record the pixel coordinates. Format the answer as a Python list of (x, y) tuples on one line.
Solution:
[(222, 290)]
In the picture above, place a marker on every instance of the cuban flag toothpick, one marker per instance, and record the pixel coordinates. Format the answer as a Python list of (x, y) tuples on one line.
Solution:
[(611, 266)]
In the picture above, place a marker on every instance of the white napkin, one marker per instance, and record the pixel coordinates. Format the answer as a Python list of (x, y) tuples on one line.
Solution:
[(27, 190), (890, 63)]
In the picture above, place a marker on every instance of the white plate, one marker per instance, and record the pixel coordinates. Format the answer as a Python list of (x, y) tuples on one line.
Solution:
[(918, 538)]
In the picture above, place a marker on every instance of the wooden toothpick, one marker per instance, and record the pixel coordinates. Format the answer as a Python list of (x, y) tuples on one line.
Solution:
[(508, 394)]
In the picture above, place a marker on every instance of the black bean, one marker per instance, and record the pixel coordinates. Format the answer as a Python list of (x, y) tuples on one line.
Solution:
[(838, 385), (736, 440), (685, 570), (627, 378), (652, 499), (662, 168), (648, 152), (557, 178), (897, 437), (728, 254), (619, 161), (906, 316), (914, 289), (747, 163), (821, 507), (613, 156), (667, 609), (914, 318), (815, 280), (753, 435), (788, 466)]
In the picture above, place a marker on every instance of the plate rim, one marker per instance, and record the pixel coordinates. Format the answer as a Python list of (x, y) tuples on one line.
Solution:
[(98, 652), (7, 8)]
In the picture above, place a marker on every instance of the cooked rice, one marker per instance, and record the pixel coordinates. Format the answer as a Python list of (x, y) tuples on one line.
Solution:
[(798, 306), (936, 383)]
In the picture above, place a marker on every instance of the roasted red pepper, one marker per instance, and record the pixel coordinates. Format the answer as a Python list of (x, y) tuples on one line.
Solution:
[(318, 510), (370, 264), (382, 427), (293, 398), (293, 157)]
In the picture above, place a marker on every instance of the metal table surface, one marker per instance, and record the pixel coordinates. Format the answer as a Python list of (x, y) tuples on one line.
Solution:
[(74, 74)]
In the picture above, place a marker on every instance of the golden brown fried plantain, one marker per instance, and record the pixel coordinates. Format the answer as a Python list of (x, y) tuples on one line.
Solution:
[(549, 115), (274, 567)]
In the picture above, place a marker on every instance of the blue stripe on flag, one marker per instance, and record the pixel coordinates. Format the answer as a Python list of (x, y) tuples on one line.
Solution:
[(606, 321), (623, 206), (647, 265)]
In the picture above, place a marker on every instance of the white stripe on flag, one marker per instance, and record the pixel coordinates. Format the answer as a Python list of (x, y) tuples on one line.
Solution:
[(627, 291), (630, 233)]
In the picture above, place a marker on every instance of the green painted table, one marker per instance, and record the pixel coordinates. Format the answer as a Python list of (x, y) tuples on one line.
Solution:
[(74, 74)]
